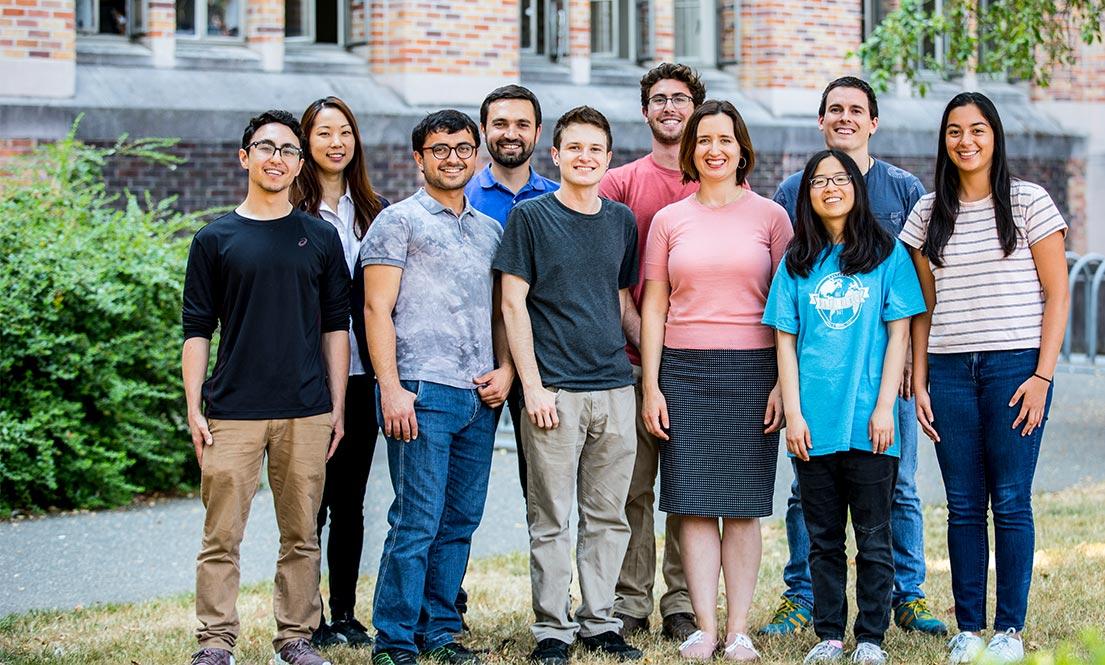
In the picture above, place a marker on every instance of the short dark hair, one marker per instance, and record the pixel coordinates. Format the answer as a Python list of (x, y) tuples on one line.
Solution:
[(583, 115), (269, 117), (511, 92), (690, 139), (678, 72), (850, 82), (449, 121)]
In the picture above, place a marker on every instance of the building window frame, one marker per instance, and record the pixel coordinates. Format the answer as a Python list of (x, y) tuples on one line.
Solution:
[(135, 16), (705, 12), (201, 27), (622, 35)]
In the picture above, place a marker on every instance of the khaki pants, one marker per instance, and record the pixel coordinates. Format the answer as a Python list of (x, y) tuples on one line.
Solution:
[(587, 460), (638, 574), (231, 470)]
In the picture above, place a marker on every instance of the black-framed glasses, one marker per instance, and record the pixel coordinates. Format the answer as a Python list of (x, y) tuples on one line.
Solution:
[(822, 181), (442, 150), (678, 100), (266, 149)]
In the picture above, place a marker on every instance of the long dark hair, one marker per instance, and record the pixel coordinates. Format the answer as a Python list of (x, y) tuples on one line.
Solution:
[(946, 206), (307, 189), (866, 243)]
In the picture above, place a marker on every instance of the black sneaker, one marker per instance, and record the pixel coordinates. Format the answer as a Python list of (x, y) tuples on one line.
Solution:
[(550, 651), (394, 657), (325, 637), (611, 644), (632, 625), (679, 626), (452, 653), (212, 656), (351, 632)]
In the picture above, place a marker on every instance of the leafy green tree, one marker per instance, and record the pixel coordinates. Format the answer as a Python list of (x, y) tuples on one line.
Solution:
[(91, 402), (1022, 39)]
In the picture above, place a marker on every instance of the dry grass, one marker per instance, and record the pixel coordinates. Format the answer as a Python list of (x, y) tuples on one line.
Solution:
[(1067, 595)]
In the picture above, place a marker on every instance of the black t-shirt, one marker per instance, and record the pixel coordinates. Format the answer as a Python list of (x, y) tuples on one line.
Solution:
[(274, 287), (575, 264)]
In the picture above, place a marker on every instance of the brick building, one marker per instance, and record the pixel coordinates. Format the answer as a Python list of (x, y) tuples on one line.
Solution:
[(197, 69)]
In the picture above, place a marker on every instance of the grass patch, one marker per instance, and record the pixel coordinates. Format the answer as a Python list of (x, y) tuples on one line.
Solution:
[(1066, 600)]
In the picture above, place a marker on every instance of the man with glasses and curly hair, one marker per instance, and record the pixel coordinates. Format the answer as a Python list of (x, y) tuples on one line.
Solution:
[(442, 368), (669, 94), (274, 281)]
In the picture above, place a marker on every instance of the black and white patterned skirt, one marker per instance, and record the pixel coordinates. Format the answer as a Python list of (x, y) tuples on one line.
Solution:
[(718, 463)]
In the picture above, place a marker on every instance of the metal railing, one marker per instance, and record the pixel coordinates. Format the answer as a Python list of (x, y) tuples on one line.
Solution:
[(1086, 321)]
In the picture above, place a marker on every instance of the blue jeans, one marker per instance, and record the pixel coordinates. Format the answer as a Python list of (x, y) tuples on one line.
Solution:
[(986, 464), (906, 525), (440, 483)]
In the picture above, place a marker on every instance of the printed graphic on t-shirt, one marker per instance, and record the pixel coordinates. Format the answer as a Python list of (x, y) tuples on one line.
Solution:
[(838, 299)]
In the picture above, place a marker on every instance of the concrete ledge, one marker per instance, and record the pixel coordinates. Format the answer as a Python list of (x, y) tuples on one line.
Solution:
[(38, 77)]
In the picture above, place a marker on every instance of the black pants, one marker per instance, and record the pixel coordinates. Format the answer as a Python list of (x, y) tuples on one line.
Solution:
[(830, 487), (343, 495)]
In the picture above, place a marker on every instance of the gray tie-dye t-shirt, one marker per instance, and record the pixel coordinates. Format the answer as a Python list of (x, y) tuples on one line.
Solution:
[(443, 313)]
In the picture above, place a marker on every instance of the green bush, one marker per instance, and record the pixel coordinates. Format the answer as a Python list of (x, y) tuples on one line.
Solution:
[(91, 403)]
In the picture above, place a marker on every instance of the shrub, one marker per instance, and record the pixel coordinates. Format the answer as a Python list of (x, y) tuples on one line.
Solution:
[(91, 403)]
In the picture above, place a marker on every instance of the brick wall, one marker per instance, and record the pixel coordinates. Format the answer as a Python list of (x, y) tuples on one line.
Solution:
[(786, 44), (1084, 81), (37, 29), (728, 39), (663, 30)]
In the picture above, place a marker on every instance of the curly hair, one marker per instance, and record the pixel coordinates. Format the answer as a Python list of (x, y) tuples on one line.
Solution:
[(675, 71)]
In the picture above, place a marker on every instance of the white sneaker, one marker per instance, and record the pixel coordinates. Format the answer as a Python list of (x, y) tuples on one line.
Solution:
[(869, 654), (964, 648), (824, 652), (1004, 648)]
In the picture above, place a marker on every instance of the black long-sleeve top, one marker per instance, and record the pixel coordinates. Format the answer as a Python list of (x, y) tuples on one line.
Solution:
[(273, 287)]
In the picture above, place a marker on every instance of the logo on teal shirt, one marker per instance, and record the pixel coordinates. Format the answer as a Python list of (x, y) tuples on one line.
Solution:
[(838, 299)]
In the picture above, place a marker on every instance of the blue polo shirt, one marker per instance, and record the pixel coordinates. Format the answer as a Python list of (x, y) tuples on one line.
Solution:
[(496, 201)]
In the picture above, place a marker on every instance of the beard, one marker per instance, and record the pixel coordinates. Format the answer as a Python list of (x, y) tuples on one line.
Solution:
[(510, 161), (663, 135)]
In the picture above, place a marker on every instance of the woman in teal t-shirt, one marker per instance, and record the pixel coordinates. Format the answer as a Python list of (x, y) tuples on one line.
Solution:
[(841, 303)]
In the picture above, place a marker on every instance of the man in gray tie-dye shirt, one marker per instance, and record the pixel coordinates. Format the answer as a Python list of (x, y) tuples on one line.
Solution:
[(429, 295)]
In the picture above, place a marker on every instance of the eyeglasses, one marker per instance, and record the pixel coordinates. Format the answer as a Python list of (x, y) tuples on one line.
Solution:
[(442, 150), (679, 101), (822, 181), (266, 149)]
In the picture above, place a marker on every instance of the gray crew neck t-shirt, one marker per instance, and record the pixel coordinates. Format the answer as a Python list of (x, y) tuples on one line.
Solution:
[(443, 313), (575, 265)]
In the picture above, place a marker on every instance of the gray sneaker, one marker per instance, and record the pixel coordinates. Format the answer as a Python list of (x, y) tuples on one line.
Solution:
[(299, 652), (1004, 648), (212, 657), (869, 654), (824, 652)]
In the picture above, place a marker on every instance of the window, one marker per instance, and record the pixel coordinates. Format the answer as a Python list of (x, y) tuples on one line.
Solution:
[(611, 33), (209, 18), (317, 21), (694, 25), (110, 17)]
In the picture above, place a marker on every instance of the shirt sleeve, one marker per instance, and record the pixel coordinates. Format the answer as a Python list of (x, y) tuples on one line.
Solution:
[(200, 313), (515, 255), (657, 248), (780, 234), (903, 297), (627, 276), (387, 240), (334, 286), (1041, 216), (914, 193), (785, 196), (781, 308), (611, 188), (916, 225)]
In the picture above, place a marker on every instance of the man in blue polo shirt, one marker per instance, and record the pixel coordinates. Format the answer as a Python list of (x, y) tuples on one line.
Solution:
[(510, 119)]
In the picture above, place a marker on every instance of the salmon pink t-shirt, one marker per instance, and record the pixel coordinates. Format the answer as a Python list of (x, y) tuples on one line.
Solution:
[(719, 263)]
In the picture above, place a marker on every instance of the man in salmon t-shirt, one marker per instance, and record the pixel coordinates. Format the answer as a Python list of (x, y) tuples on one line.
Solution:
[(669, 94)]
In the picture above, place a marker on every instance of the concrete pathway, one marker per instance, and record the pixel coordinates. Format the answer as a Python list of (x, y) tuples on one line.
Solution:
[(148, 551)]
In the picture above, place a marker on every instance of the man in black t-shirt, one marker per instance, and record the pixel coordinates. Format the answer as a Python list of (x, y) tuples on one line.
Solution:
[(567, 260), (275, 282)]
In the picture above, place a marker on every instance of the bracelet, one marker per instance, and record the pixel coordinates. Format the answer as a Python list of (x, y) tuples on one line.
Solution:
[(1044, 378)]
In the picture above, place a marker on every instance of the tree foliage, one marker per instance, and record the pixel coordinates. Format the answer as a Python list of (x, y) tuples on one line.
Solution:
[(1021, 39), (91, 402)]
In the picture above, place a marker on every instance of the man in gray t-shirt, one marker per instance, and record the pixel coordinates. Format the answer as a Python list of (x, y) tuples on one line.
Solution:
[(568, 260), (433, 340)]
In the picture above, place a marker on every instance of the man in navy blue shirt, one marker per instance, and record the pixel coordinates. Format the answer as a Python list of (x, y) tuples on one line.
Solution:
[(849, 117)]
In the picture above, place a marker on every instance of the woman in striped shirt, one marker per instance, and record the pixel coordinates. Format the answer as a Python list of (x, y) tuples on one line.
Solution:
[(989, 251)]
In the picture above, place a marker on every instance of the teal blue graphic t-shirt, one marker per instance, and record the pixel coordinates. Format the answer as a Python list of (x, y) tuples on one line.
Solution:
[(840, 321)]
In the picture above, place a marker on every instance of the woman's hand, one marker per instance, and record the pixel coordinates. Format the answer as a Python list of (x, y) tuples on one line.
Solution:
[(654, 412), (924, 412), (773, 415), (880, 429), (798, 438), (1032, 394)]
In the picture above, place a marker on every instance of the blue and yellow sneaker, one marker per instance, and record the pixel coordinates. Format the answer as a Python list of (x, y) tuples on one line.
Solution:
[(915, 615), (789, 618)]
